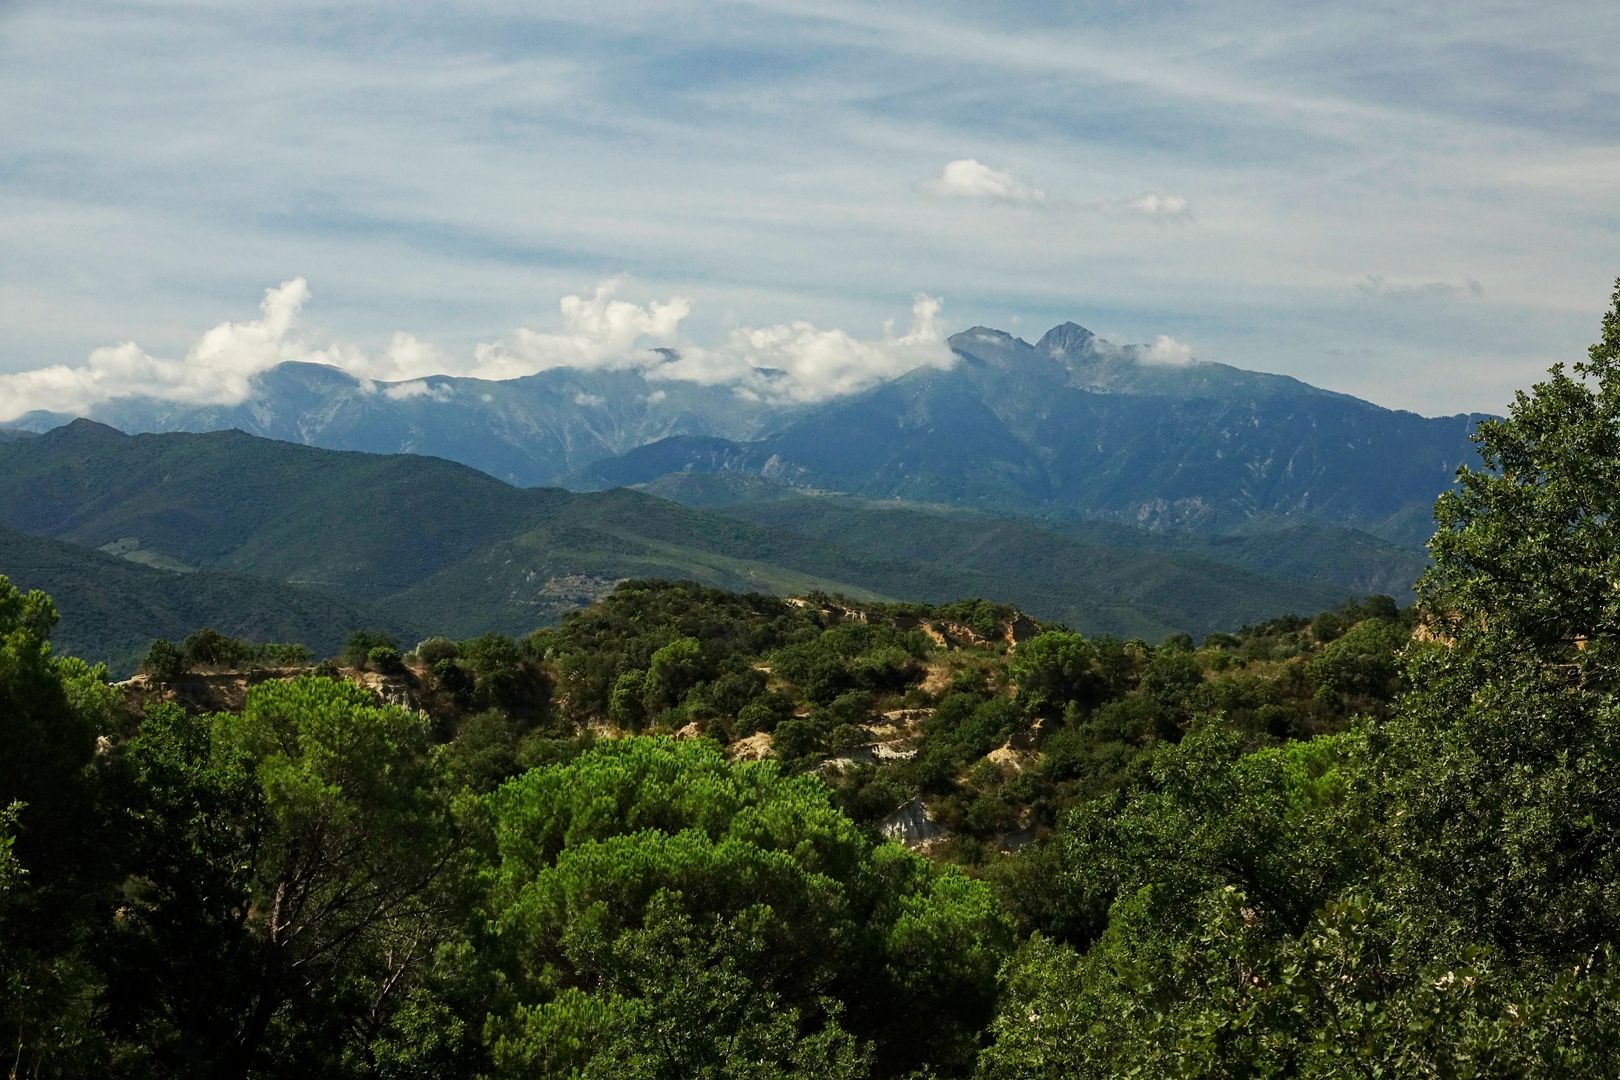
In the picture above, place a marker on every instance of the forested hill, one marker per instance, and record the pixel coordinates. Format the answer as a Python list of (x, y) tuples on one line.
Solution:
[(111, 608), (426, 542)]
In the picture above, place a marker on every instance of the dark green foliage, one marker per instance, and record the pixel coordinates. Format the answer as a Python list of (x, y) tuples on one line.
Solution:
[(163, 662), (55, 855), (1055, 670), (358, 648), (112, 608), (683, 869), (210, 648)]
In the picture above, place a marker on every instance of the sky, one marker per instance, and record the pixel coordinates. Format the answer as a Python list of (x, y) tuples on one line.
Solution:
[(1412, 202)]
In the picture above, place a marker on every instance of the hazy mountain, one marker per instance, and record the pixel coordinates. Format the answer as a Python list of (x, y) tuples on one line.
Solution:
[(433, 544), (1070, 427), (1074, 427), (528, 431)]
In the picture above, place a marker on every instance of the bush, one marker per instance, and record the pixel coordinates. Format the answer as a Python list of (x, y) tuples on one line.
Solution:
[(435, 649), (164, 663)]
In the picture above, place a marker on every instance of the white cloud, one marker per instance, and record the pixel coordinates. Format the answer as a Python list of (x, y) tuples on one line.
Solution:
[(589, 401), (1376, 285), (1153, 205), (970, 179), (800, 362), (599, 332), (215, 371), (1166, 351), (791, 362), (405, 391)]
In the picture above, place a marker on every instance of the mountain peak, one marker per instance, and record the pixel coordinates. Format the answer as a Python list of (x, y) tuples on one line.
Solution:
[(981, 333), (82, 428), (1065, 340)]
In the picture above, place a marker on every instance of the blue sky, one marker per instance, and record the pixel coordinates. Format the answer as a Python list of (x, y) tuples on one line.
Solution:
[(1416, 203)]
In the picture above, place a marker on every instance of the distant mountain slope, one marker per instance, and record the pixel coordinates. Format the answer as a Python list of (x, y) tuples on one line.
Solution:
[(1071, 427), (441, 546), (371, 526), (112, 609), (1075, 428), (528, 431), (1334, 557)]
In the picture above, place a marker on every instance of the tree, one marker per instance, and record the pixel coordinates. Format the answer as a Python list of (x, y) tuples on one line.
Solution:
[(1441, 901), (357, 649), (666, 906), (297, 885), (1508, 748), (210, 648), (164, 663), (673, 670), (60, 859), (1055, 668)]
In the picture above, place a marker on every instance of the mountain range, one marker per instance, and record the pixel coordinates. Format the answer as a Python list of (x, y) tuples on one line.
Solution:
[(1070, 428)]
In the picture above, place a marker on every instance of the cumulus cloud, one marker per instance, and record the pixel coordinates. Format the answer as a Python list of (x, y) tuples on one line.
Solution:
[(589, 401), (217, 370), (1380, 287), (797, 362), (1166, 351), (1157, 207), (598, 332), (968, 178)]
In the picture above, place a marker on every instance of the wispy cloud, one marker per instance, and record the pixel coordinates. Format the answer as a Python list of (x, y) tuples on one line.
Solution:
[(1376, 285), (1157, 207), (440, 172)]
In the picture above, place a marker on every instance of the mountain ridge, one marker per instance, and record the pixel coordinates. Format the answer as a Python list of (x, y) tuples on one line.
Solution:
[(438, 544), (1070, 428)]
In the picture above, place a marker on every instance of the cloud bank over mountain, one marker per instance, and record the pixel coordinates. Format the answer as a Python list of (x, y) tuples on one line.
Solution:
[(796, 362)]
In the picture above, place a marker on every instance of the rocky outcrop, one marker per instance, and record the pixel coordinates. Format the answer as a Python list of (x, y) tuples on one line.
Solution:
[(912, 825)]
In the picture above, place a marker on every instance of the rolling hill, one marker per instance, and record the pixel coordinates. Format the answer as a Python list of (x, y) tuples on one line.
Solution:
[(433, 544), (111, 609)]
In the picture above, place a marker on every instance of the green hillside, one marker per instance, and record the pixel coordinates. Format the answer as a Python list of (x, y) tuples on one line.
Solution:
[(434, 543), (111, 609), (1099, 576)]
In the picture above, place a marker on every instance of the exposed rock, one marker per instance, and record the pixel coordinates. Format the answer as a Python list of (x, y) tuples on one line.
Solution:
[(912, 825), (755, 747), (226, 691)]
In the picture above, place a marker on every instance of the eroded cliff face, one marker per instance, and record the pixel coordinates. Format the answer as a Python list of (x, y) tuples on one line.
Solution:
[(225, 691), (945, 633)]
